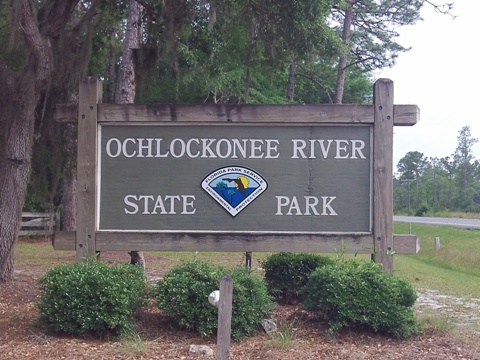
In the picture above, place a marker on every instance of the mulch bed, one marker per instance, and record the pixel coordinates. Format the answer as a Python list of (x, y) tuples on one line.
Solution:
[(301, 336)]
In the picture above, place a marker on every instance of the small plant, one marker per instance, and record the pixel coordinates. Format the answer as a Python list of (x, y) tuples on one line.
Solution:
[(359, 293), (287, 273), (91, 297), (132, 346), (281, 339), (16, 316), (183, 293), (436, 322)]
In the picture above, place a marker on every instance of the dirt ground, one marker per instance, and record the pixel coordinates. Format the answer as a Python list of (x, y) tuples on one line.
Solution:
[(300, 335)]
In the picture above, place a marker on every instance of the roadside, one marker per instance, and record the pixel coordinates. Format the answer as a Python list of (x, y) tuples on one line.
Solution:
[(457, 222)]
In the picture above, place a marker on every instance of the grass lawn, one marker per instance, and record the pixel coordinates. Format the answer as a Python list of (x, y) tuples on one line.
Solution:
[(454, 269)]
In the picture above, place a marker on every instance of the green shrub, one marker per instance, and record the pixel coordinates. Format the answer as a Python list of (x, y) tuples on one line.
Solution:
[(91, 297), (287, 273), (183, 293), (361, 294), (422, 209), (251, 303)]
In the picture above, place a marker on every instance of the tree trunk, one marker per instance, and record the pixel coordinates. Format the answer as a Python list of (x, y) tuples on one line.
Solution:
[(69, 185), (342, 63), (16, 119), (21, 93), (112, 78), (291, 79), (246, 92), (126, 85), (69, 200), (18, 101)]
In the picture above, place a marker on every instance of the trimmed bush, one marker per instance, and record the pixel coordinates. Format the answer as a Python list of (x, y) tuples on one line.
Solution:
[(287, 273), (361, 294), (251, 303), (91, 298), (183, 293)]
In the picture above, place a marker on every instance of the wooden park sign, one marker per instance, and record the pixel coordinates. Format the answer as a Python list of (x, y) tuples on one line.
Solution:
[(300, 178)]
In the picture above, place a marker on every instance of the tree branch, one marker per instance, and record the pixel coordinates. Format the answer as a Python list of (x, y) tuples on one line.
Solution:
[(27, 21), (91, 12), (443, 8), (312, 78), (58, 15), (148, 7)]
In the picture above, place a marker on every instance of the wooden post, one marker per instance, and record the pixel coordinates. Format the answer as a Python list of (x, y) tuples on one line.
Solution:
[(248, 259), (89, 96), (383, 172), (437, 244), (224, 318)]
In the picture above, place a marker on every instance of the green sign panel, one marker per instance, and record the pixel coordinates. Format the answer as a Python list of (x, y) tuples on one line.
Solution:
[(235, 178)]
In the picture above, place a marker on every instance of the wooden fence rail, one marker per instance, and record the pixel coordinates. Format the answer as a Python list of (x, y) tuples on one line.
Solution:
[(39, 224)]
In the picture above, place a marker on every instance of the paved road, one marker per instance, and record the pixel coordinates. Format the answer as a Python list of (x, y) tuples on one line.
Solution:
[(464, 223)]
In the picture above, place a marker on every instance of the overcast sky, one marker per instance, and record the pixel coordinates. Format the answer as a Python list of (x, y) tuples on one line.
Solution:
[(441, 75)]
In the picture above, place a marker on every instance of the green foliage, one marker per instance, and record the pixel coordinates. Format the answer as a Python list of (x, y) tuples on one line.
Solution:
[(287, 273), (422, 209), (451, 183), (183, 293), (356, 293), (375, 23), (358, 87), (243, 54), (251, 303), (91, 298)]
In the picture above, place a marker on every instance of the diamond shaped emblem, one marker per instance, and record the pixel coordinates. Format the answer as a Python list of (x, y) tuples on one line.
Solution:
[(234, 187)]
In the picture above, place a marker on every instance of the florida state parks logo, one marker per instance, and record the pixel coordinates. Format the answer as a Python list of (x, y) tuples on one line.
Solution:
[(234, 187)]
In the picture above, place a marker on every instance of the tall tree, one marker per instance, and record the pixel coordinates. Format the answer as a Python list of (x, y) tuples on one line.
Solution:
[(132, 41), (411, 167), (465, 170), (26, 68), (243, 51), (463, 156), (449, 183), (46, 49), (87, 42), (448, 167), (127, 85), (434, 161), (368, 29)]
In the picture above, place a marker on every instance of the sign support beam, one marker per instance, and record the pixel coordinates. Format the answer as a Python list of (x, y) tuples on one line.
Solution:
[(383, 173), (89, 96)]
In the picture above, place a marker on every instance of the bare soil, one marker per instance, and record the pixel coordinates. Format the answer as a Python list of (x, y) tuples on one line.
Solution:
[(301, 335)]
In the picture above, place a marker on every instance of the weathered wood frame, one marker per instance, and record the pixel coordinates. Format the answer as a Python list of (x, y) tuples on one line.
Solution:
[(382, 116)]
